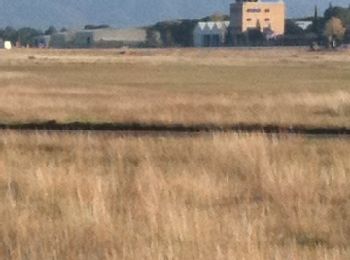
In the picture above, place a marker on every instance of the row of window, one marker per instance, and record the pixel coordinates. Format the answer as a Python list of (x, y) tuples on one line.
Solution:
[(257, 10), (266, 19)]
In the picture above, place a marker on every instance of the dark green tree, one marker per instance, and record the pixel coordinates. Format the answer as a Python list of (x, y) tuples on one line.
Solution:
[(291, 28), (315, 22), (176, 33), (216, 17), (51, 30), (95, 27), (153, 38), (339, 12), (2, 33), (10, 34), (26, 35), (255, 37)]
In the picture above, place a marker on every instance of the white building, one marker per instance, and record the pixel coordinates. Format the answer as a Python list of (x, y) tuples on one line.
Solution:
[(110, 37), (210, 34), (100, 38)]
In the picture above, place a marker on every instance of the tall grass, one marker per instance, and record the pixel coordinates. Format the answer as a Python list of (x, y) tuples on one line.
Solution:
[(210, 197), (272, 86)]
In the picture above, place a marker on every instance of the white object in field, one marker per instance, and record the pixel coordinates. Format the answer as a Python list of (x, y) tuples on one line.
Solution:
[(8, 45)]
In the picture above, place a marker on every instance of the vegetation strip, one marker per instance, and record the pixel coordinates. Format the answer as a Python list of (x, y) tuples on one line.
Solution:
[(177, 128)]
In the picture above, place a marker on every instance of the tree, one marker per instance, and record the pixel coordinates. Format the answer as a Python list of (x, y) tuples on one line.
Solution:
[(347, 36), (255, 36), (176, 33), (183, 33), (2, 33), (26, 35), (153, 38), (292, 28), (95, 27), (168, 38), (334, 31), (51, 30), (316, 23), (10, 34), (216, 17), (339, 12)]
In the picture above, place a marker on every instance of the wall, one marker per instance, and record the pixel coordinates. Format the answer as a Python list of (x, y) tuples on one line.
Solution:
[(84, 39), (246, 15)]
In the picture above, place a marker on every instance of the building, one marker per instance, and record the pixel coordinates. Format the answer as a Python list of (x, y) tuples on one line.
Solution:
[(63, 40), (245, 15), (210, 34), (109, 38), (42, 41), (268, 16), (100, 38), (84, 39)]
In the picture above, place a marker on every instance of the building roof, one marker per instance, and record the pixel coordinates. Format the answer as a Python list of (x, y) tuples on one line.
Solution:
[(212, 26), (68, 35), (303, 24)]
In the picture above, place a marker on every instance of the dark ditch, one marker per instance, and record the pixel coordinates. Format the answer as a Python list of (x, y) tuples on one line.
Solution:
[(178, 129)]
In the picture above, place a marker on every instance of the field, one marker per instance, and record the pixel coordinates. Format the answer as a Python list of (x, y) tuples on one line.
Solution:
[(214, 197), (221, 87), (89, 195)]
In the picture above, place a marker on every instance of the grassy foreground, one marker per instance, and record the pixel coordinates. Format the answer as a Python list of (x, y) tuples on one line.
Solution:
[(210, 197), (270, 86)]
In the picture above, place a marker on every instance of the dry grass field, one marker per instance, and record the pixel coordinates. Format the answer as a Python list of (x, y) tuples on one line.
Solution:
[(89, 196), (212, 197), (266, 86)]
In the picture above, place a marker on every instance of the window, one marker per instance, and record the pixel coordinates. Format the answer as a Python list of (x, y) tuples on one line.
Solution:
[(254, 10), (267, 19), (249, 19), (267, 10)]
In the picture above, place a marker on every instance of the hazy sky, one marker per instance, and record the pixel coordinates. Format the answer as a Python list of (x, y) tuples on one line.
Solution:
[(123, 13)]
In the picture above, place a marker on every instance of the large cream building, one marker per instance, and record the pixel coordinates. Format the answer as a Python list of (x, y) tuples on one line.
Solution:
[(269, 16)]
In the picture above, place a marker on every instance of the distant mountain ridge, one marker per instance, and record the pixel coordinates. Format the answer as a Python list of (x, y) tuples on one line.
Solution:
[(124, 13)]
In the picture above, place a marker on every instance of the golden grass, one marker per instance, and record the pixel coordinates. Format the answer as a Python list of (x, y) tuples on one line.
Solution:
[(189, 86), (210, 197), (207, 197)]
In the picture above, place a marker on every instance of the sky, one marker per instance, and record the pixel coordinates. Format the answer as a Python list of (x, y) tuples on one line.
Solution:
[(125, 13)]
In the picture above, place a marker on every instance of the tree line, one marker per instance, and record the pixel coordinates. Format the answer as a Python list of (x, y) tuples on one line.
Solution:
[(330, 28), (25, 35)]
